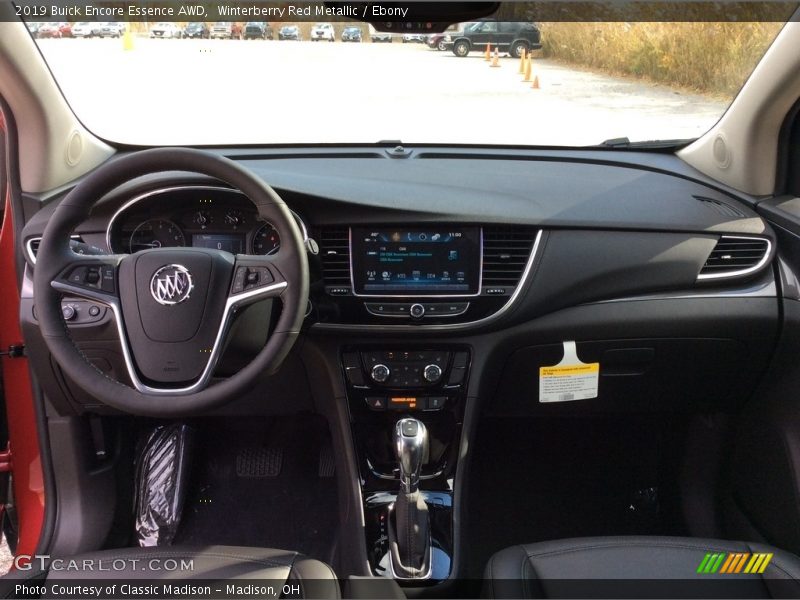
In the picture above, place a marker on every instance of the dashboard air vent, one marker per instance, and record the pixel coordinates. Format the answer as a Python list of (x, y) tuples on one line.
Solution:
[(506, 251), (334, 248), (33, 246), (735, 257)]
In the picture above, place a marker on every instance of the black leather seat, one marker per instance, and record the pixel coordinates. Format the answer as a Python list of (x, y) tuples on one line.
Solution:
[(193, 565), (634, 566)]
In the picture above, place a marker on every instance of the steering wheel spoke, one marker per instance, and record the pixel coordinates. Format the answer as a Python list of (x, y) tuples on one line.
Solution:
[(91, 277)]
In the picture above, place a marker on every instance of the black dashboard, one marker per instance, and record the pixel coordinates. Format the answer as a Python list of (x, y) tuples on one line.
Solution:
[(457, 241)]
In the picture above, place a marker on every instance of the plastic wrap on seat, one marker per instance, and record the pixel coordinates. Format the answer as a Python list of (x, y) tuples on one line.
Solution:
[(162, 473)]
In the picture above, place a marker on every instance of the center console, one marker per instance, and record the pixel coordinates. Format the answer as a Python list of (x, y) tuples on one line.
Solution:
[(407, 486), (418, 275)]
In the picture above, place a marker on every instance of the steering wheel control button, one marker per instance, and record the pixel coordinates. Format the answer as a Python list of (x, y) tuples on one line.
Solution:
[(380, 373), (107, 281), (417, 311), (248, 278), (171, 284), (432, 373), (97, 277), (376, 402), (94, 310)]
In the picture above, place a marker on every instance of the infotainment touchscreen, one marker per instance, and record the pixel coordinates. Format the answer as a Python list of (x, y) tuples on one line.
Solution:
[(421, 261)]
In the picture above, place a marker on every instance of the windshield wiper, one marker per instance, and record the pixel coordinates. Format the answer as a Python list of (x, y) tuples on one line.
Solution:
[(624, 142)]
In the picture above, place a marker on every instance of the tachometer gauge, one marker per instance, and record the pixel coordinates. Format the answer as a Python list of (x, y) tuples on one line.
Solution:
[(156, 233), (266, 240)]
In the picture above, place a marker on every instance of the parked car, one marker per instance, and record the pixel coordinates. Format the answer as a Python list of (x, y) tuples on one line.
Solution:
[(257, 30), (48, 30), (437, 41), (65, 29), (196, 30), (84, 29), (414, 38), (351, 34), (112, 29), (379, 36), (289, 32), (223, 29), (507, 36), (324, 32), (165, 30)]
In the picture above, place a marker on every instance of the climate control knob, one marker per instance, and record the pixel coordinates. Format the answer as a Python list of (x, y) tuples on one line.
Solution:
[(380, 373), (432, 373)]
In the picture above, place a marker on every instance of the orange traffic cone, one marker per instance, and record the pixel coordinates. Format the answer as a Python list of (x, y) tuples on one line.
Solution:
[(527, 77), (495, 59), (522, 61), (487, 56), (535, 84)]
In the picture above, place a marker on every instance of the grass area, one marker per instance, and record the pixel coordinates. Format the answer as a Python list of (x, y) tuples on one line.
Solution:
[(715, 58)]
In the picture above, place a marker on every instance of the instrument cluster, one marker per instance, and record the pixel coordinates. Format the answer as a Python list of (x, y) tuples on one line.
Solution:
[(198, 216)]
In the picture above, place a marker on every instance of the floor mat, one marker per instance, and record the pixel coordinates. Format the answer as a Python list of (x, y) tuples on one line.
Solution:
[(542, 479), (256, 482)]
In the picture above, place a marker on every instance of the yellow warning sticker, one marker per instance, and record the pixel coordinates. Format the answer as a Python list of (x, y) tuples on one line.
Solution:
[(570, 379)]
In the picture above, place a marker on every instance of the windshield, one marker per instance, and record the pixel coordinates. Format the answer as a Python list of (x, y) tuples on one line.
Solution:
[(505, 80)]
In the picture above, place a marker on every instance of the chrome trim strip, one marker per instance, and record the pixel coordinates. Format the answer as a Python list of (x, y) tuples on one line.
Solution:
[(353, 285), (181, 188), (740, 272), (231, 305), (766, 290), (523, 281)]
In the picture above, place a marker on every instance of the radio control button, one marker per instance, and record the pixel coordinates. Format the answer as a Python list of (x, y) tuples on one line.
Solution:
[(417, 311), (432, 373), (380, 373)]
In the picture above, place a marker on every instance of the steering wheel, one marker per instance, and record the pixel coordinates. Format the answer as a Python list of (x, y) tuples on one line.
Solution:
[(173, 306)]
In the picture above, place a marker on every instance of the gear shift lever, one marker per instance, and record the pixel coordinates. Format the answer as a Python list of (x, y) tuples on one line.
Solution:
[(409, 523), (410, 445)]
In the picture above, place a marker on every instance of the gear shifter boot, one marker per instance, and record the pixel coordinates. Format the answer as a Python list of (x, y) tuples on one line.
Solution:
[(409, 537)]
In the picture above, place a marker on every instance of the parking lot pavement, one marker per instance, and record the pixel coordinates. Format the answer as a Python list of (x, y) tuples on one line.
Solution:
[(202, 91)]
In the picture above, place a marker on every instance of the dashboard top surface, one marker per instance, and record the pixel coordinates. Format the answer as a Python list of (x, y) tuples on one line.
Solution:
[(590, 190)]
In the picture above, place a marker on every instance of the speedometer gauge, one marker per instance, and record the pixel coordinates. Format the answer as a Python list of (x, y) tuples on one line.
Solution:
[(156, 233), (266, 240)]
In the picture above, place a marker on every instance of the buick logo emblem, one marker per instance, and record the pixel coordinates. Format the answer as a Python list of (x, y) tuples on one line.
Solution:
[(171, 284)]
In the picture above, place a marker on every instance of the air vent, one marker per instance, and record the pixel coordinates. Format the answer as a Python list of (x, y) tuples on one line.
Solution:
[(720, 207), (735, 257), (506, 251), (33, 246), (334, 248)]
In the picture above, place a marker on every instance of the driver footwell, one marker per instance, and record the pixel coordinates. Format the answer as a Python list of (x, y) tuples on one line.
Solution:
[(262, 482)]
